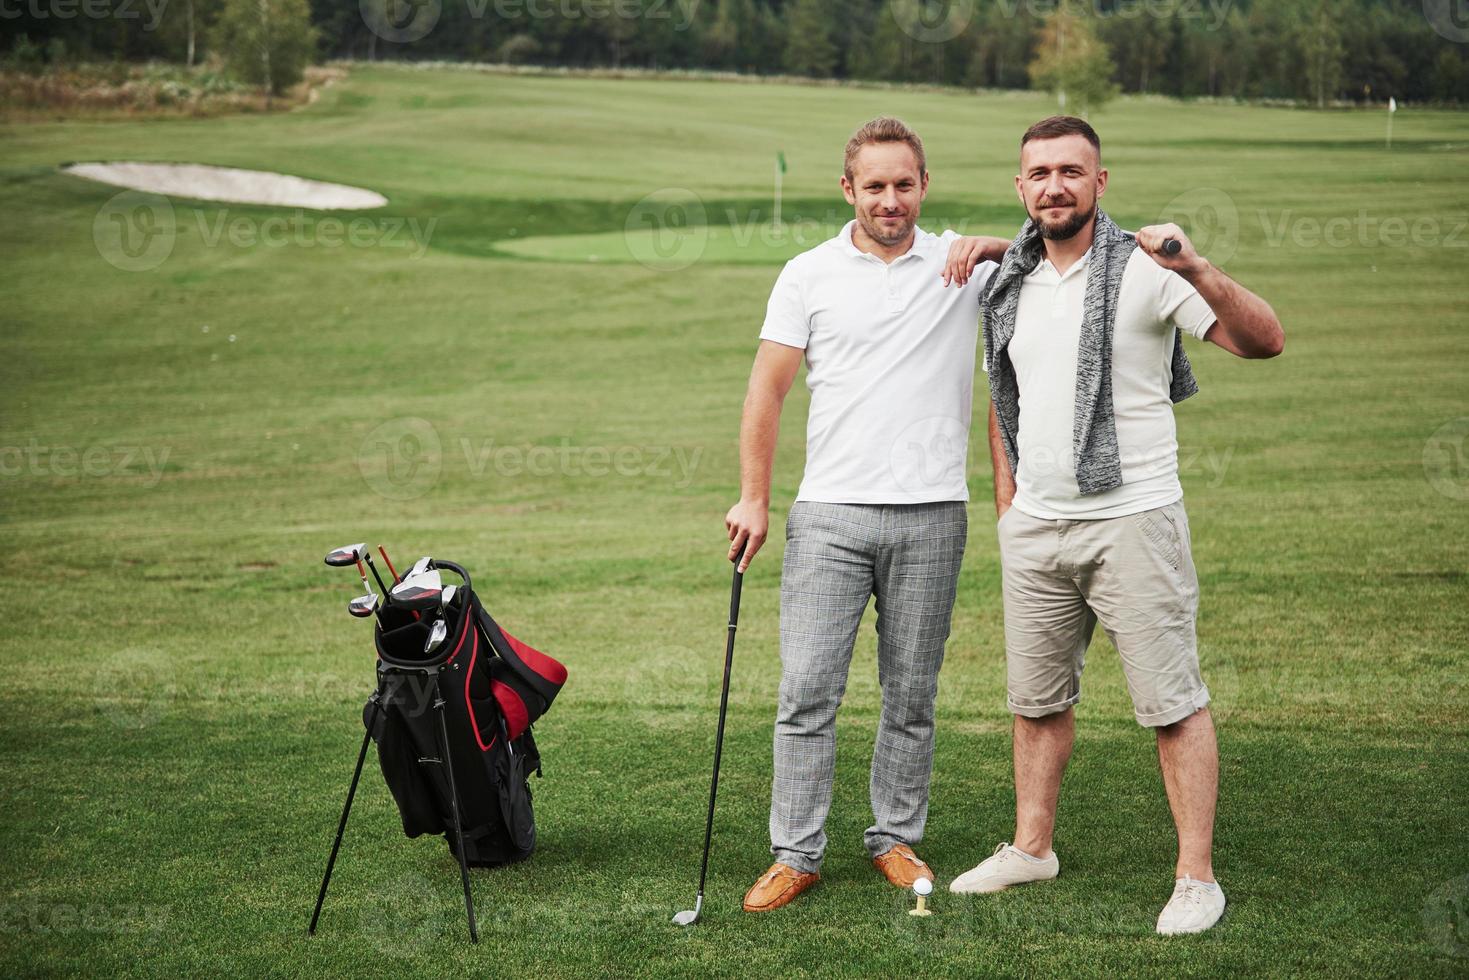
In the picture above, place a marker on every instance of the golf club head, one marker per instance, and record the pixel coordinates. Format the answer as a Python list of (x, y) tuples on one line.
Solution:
[(447, 596), (419, 592), (363, 606), (436, 635), (690, 916), (347, 555), (419, 567)]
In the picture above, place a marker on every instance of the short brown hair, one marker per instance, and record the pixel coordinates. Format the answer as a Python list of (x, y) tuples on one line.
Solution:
[(1057, 126), (884, 129)]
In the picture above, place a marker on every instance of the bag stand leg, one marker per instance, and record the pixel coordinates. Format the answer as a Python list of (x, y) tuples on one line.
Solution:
[(454, 805), (346, 808)]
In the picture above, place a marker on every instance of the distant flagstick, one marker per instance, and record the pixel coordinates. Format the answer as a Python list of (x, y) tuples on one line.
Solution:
[(1392, 107), (780, 169)]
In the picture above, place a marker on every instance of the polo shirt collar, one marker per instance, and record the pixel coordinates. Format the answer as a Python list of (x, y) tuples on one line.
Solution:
[(1076, 267), (922, 241)]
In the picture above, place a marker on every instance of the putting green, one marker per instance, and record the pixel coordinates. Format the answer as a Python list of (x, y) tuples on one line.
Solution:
[(673, 246)]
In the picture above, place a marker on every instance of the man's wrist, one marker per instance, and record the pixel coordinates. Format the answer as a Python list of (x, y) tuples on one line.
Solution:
[(1199, 275)]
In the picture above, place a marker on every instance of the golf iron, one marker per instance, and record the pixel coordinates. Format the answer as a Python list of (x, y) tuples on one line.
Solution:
[(690, 916)]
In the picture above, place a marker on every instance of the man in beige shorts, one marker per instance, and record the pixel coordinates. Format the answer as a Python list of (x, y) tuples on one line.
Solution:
[(1082, 327)]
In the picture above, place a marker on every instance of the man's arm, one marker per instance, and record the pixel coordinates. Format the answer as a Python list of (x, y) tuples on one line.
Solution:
[(749, 520), (967, 253), (1004, 479), (1245, 325)]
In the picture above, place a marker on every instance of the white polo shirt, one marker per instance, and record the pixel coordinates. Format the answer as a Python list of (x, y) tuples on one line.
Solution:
[(1152, 303), (890, 365)]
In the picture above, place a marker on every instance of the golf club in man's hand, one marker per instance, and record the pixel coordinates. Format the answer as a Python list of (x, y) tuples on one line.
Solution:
[(690, 916)]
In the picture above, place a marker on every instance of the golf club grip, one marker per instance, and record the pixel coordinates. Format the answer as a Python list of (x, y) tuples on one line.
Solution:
[(734, 596), (1172, 246)]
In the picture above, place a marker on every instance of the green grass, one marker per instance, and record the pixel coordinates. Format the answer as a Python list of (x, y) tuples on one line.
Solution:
[(182, 689)]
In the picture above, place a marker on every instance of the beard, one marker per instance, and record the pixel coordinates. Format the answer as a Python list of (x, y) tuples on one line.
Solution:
[(1059, 231), (889, 235)]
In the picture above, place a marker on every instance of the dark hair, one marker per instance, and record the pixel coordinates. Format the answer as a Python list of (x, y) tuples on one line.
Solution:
[(1057, 126)]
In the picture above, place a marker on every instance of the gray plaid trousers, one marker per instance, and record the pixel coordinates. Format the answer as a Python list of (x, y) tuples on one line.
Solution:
[(837, 557)]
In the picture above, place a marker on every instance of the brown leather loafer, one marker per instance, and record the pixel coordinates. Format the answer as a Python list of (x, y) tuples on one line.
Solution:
[(901, 866), (777, 887)]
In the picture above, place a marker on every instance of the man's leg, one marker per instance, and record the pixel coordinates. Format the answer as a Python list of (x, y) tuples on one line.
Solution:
[(917, 577), (1189, 755), (1146, 595), (1042, 749), (825, 584)]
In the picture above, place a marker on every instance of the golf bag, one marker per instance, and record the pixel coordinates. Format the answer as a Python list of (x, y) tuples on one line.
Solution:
[(452, 725)]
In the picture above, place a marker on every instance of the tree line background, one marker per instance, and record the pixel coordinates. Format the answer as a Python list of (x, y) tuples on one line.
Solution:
[(1311, 50)]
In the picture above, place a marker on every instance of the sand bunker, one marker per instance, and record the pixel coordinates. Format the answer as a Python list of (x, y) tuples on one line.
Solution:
[(205, 183)]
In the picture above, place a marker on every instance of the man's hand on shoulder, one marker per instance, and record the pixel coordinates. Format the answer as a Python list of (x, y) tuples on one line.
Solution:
[(967, 253)]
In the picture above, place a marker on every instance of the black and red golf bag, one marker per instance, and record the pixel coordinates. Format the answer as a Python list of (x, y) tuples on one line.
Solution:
[(453, 728)]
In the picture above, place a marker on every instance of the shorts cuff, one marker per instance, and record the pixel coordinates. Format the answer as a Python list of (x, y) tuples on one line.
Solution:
[(1158, 719), (1040, 710)]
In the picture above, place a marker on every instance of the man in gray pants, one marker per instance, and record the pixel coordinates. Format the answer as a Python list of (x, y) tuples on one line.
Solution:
[(881, 510)]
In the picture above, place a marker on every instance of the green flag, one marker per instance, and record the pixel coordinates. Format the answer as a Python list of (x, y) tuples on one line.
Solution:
[(780, 159)]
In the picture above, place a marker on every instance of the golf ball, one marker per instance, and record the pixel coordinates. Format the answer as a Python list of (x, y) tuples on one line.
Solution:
[(922, 886)]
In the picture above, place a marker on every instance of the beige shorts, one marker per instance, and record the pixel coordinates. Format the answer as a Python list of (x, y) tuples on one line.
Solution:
[(1135, 575)]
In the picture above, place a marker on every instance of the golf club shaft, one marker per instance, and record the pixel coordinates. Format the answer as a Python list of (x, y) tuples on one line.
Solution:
[(734, 618), (389, 562), (367, 554)]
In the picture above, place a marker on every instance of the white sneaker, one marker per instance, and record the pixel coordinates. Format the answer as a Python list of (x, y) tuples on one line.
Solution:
[(1009, 865), (1194, 907)]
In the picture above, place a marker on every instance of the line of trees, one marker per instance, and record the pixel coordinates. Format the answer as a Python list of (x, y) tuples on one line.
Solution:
[(1316, 50)]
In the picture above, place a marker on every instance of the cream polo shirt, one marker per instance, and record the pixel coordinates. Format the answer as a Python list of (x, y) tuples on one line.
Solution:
[(1152, 303)]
